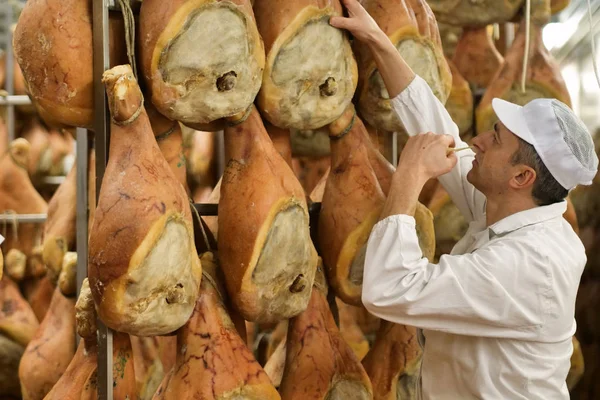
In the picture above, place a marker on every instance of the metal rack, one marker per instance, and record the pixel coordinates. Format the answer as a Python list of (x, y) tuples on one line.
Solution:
[(101, 62)]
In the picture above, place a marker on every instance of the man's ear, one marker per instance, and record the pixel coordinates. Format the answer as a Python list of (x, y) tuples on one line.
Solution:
[(523, 178)]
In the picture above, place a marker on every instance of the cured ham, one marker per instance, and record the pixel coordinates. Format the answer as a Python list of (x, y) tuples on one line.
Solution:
[(213, 361), (310, 73), (412, 28), (143, 268), (264, 241), (202, 60), (543, 80)]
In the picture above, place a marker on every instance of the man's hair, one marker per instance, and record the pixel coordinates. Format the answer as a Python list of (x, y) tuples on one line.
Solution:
[(546, 190)]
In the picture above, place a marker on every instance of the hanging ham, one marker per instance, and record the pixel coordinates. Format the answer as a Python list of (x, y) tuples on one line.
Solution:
[(213, 361), (475, 13), (38, 293), (412, 28), (350, 330), (319, 364), (10, 355), (60, 229), (18, 196), (53, 45), (170, 142), (476, 57), (352, 202), (202, 60), (544, 79), (393, 362), (40, 155), (310, 74), (80, 380), (143, 268), (148, 367), (50, 351), (200, 156), (264, 241), (355, 192), (17, 320), (460, 102)]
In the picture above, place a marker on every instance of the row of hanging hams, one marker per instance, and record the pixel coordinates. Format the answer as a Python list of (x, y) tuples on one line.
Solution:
[(266, 70)]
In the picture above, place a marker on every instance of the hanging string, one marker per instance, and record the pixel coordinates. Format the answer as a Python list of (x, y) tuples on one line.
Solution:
[(129, 21), (594, 59), (527, 39)]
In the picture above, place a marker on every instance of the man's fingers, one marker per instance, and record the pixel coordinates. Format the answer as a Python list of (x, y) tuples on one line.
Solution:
[(449, 140)]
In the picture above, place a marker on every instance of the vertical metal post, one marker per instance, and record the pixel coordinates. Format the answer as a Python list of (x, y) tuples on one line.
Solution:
[(102, 131), (220, 152), (82, 205), (10, 71)]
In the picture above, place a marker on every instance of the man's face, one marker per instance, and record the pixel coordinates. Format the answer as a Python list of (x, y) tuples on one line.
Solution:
[(492, 167)]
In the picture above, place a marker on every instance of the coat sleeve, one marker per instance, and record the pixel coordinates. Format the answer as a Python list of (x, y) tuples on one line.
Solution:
[(492, 292), (420, 111)]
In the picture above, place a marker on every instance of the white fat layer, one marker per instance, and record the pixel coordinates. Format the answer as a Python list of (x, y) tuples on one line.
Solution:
[(376, 107), (317, 52), (348, 390), (312, 143), (358, 266), (407, 382), (165, 273), (214, 42), (285, 255)]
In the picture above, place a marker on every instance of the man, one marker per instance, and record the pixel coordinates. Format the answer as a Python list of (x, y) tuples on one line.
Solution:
[(497, 314)]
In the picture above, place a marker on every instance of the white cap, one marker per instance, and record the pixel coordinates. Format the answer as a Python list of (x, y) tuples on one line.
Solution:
[(560, 138)]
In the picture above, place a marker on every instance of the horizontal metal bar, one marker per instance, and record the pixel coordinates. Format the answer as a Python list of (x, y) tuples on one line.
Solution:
[(20, 100), (53, 180), (29, 218), (207, 209), (113, 5), (210, 209)]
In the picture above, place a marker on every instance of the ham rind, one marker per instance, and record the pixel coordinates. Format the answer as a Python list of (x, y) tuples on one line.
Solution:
[(476, 57), (202, 59), (213, 361), (543, 80), (412, 28), (319, 364), (53, 46), (310, 74), (264, 240), (50, 351), (143, 267)]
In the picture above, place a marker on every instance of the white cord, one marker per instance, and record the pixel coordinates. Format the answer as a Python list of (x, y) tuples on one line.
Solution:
[(594, 61), (527, 37)]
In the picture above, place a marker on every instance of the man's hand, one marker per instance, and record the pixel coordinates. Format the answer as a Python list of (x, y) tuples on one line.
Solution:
[(428, 156), (424, 157), (362, 26)]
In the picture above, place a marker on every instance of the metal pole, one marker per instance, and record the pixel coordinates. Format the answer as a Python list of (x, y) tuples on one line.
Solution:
[(24, 218), (101, 128), (10, 73), (19, 100), (82, 205)]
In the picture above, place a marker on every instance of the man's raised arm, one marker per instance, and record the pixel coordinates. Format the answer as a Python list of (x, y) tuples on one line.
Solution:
[(415, 104)]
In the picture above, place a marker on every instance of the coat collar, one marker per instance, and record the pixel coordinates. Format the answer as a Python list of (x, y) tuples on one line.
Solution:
[(528, 217)]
